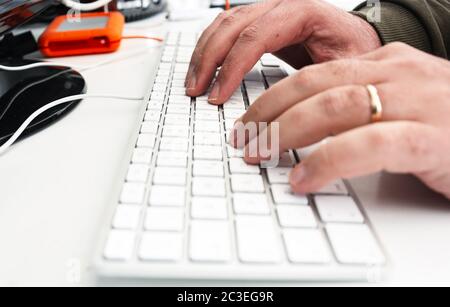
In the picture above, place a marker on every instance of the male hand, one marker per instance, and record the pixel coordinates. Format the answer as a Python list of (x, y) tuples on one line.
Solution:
[(331, 99), (300, 32)]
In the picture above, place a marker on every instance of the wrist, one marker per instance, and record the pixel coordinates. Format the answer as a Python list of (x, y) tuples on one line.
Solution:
[(370, 39)]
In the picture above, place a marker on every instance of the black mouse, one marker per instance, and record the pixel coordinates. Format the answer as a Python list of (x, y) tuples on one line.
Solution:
[(24, 92)]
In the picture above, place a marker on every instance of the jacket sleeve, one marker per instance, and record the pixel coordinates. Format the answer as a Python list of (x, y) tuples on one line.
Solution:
[(424, 24)]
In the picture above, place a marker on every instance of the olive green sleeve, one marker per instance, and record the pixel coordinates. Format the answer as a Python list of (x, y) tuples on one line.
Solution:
[(424, 24)]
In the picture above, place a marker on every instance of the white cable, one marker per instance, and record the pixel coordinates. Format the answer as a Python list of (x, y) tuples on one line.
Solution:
[(47, 107), (76, 5), (30, 66), (124, 56)]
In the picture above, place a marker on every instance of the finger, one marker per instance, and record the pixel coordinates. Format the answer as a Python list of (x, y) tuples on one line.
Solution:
[(213, 48), (202, 42), (307, 83), (397, 147), (328, 113), (258, 38)]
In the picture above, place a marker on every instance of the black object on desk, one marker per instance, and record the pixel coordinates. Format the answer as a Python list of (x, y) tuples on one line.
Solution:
[(24, 92)]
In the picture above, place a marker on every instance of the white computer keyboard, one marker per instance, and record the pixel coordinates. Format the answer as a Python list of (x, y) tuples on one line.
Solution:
[(191, 208)]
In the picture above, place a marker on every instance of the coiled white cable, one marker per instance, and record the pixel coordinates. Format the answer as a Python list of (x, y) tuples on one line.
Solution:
[(51, 105), (76, 5)]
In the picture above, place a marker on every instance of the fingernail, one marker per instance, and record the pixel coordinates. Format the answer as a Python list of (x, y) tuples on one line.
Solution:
[(214, 96), (192, 83), (298, 176)]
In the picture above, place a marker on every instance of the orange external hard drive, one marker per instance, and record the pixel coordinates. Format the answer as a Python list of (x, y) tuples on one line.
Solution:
[(89, 33)]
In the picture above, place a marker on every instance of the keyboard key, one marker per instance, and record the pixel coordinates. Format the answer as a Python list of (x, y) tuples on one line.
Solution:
[(257, 240), (247, 183), (207, 138), (336, 188), (291, 216), (158, 95), (207, 115), (155, 105), (339, 209), (239, 166), (132, 193), (208, 153), (179, 109), (209, 208), (235, 104), (206, 186), (138, 173), (207, 126), (205, 105), (234, 153), (170, 176), (275, 72), (178, 90), (270, 60), (354, 244), (178, 99), (279, 175), (306, 246), (146, 140), (161, 246), (177, 120), (159, 87), (152, 116), (229, 124), (149, 127), (251, 204), (176, 131), (142, 155), (282, 194), (254, 75), (233, 114), (127, 217), (174, 144), (204, 168), (120, 245), (167, 196), (164, 219), (172, 159), (210, 241)]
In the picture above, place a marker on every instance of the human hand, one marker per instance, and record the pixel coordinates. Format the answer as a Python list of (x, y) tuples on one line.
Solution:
[(301, 32), (331, 99)]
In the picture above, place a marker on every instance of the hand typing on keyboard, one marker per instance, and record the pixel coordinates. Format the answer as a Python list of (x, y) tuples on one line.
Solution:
[(332, 97), (191, 205), (299, 32)]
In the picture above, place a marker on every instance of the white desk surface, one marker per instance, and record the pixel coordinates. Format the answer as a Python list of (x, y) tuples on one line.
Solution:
[(56, 184)]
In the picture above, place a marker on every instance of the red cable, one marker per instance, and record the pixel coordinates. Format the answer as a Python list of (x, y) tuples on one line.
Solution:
[(227, 5), (143, 37)]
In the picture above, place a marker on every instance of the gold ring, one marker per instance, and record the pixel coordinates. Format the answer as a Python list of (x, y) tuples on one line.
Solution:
[(376, 107)]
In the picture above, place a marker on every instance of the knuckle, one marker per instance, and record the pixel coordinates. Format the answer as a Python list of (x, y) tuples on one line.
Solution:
[(416, 144), (222, 16), (349, 68), (305, 76), (228, 20), (242, 10), (378, 140), (250, 34), (333, 103)]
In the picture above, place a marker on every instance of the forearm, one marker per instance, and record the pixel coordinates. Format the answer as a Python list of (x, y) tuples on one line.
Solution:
[(424, 24)]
